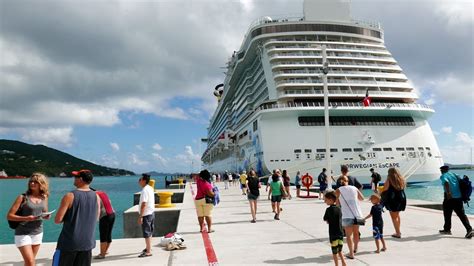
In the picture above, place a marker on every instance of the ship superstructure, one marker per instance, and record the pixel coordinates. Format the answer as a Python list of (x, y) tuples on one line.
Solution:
[(271, 112)]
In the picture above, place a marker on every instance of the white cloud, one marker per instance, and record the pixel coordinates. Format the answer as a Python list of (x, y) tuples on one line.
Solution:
[(160, 158), (135, 160), (456, 154), (139, 147), (464, 138), (157, 147), (48, 136), (110, 161), (447, 130), (114, 146), (248, 5)]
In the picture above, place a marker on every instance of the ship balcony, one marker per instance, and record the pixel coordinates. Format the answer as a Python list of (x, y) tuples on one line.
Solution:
[(331, 57), (277, 43), (288, 94), (360, 83), (318, 64), (336, 73), (348, 108), (330, 50)]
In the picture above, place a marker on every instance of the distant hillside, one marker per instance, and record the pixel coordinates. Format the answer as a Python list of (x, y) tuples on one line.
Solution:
[(18, 158), (460, 166)]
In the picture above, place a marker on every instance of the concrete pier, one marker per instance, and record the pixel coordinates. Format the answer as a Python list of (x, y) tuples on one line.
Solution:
[(299, 238)]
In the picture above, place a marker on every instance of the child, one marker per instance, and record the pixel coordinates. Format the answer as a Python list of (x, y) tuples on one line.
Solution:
[(333, 217), (377, 222)]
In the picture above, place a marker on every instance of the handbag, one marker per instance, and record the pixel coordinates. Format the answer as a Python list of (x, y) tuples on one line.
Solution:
[(15, 224), (357, 221), (209, 199)]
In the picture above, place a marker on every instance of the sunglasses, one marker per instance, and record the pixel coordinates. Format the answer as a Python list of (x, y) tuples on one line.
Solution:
[(33, 182)]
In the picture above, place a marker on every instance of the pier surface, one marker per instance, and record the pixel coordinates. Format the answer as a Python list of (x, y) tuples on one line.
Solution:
[(300, 237)]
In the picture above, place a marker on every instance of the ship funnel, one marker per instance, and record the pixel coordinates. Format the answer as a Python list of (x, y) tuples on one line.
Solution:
[(327, 10)]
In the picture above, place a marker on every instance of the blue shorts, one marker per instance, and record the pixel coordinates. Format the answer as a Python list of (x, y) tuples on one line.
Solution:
[(148, 225), (378, 232)]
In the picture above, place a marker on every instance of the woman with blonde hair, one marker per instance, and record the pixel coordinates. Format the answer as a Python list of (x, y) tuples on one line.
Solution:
[(394, 198), (33, 203)]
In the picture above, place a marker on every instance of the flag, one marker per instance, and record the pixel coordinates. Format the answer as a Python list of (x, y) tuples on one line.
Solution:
[(367, 99)]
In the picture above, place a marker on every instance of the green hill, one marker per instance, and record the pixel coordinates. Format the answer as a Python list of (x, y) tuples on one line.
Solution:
[(18, 158)]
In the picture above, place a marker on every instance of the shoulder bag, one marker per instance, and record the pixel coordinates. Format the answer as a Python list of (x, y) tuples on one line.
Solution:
[(15, 224)]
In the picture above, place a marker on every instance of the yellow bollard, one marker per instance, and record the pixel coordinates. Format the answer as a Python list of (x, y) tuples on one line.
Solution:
[(380, 188), (165, 200), (180, 182), (152, 184)]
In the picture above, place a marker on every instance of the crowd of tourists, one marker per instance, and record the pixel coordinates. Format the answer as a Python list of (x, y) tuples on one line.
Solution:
[(81, 209)]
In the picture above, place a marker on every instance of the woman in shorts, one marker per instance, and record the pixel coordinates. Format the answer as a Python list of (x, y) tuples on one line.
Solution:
[(348, 198), (203, 207), (253, 192), (277, 191), (29, 233)]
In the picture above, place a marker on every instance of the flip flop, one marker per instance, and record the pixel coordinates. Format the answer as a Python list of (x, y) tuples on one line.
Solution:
[(349, 257), (143, 255), (396, 236)]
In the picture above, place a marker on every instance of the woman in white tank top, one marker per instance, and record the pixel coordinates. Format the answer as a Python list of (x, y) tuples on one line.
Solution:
[(348, 199)]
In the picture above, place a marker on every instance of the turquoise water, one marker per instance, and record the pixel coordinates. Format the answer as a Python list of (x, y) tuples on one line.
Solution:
[(119, 189)]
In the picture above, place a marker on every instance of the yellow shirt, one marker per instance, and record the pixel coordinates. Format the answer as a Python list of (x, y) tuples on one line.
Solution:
[(243, 179)]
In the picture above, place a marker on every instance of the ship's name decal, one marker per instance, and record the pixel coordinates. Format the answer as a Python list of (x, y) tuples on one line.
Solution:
[(373, 165)]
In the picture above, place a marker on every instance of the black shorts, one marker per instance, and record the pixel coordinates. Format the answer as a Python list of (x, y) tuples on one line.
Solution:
[(276, 198), (298, 186), (251, 196), (148, 225), (106, 224), (76, 258)]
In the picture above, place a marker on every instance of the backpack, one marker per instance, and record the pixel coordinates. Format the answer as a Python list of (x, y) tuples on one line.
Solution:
[(377, 178), (15, 224), (465, 186)]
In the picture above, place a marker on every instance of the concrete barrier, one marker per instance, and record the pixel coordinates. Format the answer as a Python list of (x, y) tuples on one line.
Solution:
[(176, 198), (166, 221)]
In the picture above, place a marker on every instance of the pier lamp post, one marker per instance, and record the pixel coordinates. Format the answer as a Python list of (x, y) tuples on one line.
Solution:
[(325, 70)]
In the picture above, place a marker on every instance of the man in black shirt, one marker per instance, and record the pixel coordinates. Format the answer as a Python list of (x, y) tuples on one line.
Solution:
[(376, 178), (352, 180)]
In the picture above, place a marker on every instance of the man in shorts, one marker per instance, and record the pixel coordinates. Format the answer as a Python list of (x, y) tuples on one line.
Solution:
[(146, 214)]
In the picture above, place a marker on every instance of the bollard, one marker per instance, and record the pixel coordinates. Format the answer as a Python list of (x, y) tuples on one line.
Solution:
[(152, 184), (165, 200), (180, 182)]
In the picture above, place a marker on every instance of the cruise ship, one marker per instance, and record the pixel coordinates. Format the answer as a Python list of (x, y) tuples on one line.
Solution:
[(271, 104)]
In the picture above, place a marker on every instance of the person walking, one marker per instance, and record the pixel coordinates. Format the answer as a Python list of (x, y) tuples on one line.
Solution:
[(323, 183), (348, 198), (286, 183), (374, 181), (452, 202), (253, 192), (78, 212), (106, 223), (203, 201), (298, 183), (243, 182), (377, 221), (277, 191), (146, 214), (226, 180), (333, 217), (352, 180), (29, 232), (394, 198)]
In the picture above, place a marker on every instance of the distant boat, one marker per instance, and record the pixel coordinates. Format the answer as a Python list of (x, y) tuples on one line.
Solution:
[(62, 174), (3, 175)]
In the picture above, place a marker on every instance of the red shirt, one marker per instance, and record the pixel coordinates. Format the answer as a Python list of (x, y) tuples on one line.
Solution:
[(202, 188)]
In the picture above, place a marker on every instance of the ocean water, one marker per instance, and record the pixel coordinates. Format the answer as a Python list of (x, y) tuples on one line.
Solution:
[(120, 190)]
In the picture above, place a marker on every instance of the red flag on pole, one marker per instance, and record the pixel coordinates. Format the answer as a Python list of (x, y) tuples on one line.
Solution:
[(367, 99)]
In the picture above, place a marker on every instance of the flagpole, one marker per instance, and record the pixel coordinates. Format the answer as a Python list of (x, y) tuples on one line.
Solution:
[(326, 115)]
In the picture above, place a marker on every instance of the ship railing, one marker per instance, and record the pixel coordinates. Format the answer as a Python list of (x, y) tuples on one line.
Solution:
[(336, 72), (335, 47), (336, 64), (349, 92), (341, 104), (349, 81), (307, 54)]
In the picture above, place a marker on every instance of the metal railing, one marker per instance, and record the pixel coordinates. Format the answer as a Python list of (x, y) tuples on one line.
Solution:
[(348, 92), (267, 106)]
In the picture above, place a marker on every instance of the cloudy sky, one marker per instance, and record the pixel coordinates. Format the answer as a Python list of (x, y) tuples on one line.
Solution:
[(130, 85)]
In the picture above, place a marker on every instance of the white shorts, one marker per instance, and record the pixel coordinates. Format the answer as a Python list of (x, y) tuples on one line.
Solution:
[(24, 240)]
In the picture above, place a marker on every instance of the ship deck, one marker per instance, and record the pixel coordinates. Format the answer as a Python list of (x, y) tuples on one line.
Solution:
[(299, 238)]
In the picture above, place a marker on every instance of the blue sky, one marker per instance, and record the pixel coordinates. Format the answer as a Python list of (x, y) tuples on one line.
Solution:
[(130, 85)]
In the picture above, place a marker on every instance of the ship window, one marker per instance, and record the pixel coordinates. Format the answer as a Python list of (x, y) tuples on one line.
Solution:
[(352, 120), (308, 156), (387, 149), (255, 125), (297, 156), (377, 149), (298, 151), (347, 150), (320, 150), (287, 160), (333, 150), (308, 150), (272, 160), (420, 148), (277, 160), (357, 149), (410, 149), (400, 149), (427, 148)]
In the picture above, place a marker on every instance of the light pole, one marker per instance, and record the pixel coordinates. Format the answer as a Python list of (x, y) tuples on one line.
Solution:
[(325, 70)]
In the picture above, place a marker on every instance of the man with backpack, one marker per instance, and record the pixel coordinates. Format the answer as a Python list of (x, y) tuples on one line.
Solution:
[(453, 201), (374, 183)]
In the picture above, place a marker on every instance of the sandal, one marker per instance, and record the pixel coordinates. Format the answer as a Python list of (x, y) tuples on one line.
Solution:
[(383, 249), (99, 257), (396, 236), (349, 257), (144, 254)]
